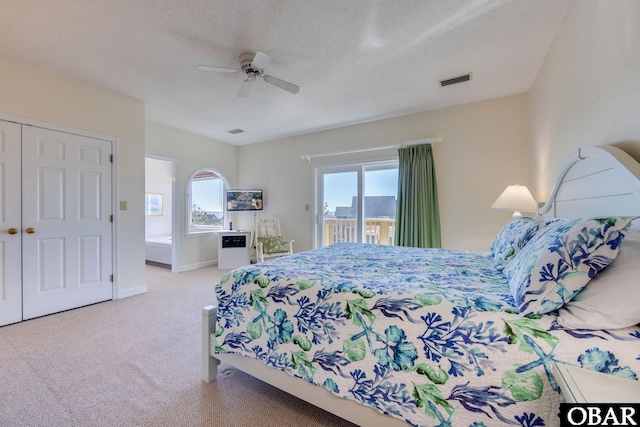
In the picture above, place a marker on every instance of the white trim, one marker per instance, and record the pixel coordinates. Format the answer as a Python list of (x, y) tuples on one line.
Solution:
[(115, 209), (197, 266), (352, 166), (422, 141), (129, 292), (175, 210), (187, 204), (53, 126)]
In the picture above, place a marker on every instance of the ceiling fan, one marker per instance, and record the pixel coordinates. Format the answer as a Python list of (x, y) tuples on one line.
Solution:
[(252, 65)]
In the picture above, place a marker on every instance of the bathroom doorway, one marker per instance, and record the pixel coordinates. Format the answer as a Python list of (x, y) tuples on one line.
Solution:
[(161, 237)]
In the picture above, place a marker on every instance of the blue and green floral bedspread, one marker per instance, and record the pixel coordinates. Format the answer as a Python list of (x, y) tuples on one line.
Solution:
[(429, 336)]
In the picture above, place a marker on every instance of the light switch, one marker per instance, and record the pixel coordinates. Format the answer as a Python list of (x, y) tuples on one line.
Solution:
[(306, 207), (123, 205)]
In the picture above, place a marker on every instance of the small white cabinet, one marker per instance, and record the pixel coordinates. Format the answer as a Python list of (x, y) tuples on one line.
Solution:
[(233, 249)]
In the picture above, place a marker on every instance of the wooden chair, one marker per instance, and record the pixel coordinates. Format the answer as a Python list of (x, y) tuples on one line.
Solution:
[(268, 241)]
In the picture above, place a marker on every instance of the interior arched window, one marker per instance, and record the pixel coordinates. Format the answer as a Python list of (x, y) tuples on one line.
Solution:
[(205, 201)]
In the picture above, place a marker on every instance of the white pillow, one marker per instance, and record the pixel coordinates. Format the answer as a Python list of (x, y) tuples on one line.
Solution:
[(611, 300)]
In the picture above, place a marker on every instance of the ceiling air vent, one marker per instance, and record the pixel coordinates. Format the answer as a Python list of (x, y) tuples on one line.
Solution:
[(235, 131), (455, 80)]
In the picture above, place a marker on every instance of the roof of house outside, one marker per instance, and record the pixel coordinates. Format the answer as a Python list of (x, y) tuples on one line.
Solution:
[(343, 212), (374, 207)]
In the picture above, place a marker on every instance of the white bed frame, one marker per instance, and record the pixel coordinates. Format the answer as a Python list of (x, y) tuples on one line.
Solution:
[(594, 181)]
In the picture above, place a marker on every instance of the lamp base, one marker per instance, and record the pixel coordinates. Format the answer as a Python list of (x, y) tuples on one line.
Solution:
[(516, 214)]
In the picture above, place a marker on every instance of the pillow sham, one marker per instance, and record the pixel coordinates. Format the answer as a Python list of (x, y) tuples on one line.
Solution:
[(512, 238), (612, 298), (560, 260), (272, 245)]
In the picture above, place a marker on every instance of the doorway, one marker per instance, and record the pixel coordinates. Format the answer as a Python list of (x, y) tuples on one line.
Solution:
[(161, 231), (357, 203)]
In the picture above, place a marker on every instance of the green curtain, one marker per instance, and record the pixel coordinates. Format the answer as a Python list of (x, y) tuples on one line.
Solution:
[(417, 216)]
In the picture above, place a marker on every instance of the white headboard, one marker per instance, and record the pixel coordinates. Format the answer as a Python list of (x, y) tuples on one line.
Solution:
[(596, 181)]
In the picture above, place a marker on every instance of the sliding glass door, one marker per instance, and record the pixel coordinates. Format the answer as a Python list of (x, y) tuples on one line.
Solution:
[(356, 203)]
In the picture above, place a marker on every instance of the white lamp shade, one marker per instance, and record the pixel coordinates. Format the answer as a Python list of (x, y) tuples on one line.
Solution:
[(515, 198)]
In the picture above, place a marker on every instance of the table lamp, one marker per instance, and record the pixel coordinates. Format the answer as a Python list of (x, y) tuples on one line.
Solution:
[(515, 198)]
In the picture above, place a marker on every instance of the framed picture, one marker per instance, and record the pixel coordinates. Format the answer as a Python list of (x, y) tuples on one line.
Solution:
[(153, 204)]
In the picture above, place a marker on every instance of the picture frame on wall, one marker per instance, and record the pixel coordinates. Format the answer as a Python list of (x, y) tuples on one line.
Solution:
[(153, 204)]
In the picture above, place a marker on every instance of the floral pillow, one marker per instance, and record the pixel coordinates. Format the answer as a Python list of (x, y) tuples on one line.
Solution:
[(512, 238), (559, 261), (272, 245)]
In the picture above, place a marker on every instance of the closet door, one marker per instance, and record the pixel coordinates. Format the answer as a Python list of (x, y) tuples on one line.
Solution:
[(66, 210), (10, 236)]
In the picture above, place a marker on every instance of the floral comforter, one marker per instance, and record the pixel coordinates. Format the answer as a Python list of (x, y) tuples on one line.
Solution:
[(429, 336)]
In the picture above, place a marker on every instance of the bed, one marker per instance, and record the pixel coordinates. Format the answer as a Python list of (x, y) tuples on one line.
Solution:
[(382, 335), (158, 249)]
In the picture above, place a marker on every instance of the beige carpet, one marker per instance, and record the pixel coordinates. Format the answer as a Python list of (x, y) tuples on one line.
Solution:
[(134, 362)]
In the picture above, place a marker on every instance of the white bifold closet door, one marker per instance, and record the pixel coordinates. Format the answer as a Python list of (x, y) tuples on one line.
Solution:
[(65, 228)]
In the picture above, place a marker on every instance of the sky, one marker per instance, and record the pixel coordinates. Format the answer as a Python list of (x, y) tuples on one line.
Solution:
[(339, 188), (207, 194)]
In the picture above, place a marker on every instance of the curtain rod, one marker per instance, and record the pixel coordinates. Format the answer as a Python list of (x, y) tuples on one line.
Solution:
[(308, 157)]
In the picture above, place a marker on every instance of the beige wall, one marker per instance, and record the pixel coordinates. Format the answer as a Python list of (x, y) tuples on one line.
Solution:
[(193, 153), (483, 151), (588, 89), (586, 93), (38, 94)]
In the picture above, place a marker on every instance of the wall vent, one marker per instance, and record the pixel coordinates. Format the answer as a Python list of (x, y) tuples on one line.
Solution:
[(235, 131), (455, 80)]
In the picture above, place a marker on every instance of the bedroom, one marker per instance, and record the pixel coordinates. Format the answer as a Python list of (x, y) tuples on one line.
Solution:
[(588, 100)]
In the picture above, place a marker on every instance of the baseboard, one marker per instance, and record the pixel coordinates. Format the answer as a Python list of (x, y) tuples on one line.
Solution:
[(190, 267), (124, 293)]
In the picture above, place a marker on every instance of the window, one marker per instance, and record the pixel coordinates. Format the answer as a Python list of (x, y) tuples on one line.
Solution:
[(358, 203), (205, 201)]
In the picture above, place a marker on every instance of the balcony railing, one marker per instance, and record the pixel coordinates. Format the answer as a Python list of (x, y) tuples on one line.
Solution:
[(378, 231)]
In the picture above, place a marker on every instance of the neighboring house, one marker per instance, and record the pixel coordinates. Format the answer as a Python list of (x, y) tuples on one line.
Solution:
[(344, 212), (374, 207)]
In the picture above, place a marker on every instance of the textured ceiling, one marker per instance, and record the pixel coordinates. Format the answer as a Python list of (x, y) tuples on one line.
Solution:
[(355, 60)]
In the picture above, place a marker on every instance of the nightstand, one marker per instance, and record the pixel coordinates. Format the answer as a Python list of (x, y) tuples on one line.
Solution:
[(585, 386)]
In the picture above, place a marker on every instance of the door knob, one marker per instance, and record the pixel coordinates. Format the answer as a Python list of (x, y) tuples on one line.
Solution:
[(12, 231), (31, 230)]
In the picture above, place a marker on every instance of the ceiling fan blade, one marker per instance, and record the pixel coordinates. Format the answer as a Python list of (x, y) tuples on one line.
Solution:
[(289, 87), (217, 69), (245, 89), (260, 60)]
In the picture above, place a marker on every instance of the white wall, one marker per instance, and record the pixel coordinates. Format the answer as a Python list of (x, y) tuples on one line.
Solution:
[(193, 152), (39, 94), (159, 180), (588, 89), (483, 151)]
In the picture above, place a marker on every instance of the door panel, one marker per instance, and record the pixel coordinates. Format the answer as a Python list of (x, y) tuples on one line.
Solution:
[(51, 265), (358, 203), (67, 200), (90, 257), (10, 244), (339, 198), (380, 198)]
